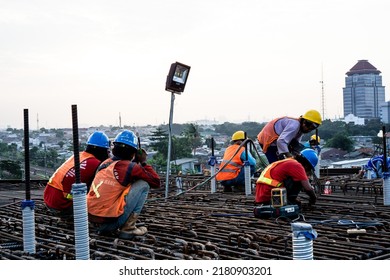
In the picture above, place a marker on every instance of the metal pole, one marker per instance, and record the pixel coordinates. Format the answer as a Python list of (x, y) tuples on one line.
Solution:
[(79, 191), (169, 145), (76, 149), (28, 205), (385, 169), (247, 171), (385, 173), (212, 163), (318, 166), (27, 155)]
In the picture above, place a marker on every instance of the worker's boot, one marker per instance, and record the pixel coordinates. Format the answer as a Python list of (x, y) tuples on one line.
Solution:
[(227, 189), (238, 189), (129, 229)]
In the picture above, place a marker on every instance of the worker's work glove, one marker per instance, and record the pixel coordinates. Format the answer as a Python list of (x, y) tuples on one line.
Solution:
[(285, 155), (312, 197), (295, 147)]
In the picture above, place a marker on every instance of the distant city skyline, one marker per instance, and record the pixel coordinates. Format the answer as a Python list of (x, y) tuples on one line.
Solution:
[(250, 61), (33, 124)]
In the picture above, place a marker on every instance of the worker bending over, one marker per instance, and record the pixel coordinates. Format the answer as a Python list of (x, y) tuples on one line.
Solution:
[(374, 168), (278, 137), (289, 173)]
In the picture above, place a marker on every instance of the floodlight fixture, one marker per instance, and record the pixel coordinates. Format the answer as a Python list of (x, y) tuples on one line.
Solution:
[(177, 77), (176, 81)]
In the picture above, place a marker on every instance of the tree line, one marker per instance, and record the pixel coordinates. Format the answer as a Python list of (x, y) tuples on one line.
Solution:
[(186, 138)]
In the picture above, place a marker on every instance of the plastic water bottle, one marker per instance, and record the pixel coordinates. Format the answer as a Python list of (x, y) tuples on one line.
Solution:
[(328, 188)]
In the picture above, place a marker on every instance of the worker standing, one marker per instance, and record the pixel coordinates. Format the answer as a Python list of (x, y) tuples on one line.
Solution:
[(281, 137), (179, 183), (289, 173), (232, 176), (120, 189)]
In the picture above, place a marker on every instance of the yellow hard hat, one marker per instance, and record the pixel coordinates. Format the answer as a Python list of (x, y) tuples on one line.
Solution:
[(313, 116), (238, 135), (315, 138)]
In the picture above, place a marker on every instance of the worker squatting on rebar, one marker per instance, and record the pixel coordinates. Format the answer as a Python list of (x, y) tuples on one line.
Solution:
[(313, 143), (232, 175), (374, 167), (291, 174), (120, 188), (57, 193)]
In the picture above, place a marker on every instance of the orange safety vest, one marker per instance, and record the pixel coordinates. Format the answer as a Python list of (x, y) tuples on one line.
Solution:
[(106, 197), (268, 134), (232, 169), (265, 176), (56, 179)]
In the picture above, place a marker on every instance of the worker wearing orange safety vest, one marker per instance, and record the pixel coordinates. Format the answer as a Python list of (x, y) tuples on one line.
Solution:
[(57, 193), (120, 188), (232, 176), (290, 173), (104, 201), (279, 135)]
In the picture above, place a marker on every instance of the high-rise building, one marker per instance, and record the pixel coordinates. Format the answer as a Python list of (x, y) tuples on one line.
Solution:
[(363, 93)]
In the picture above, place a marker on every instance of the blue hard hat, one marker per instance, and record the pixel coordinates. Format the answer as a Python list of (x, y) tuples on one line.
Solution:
[(127, 137), (311, 156), (99, 139)]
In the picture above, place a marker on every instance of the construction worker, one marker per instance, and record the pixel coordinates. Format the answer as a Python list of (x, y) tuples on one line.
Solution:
[(179, 183), (314, 143), (373, 169), (120, 189), (232, 176), (289, 173), (280, 137), (57, 193)]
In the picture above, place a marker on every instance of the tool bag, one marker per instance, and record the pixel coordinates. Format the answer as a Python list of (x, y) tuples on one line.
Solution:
[(268, 211)]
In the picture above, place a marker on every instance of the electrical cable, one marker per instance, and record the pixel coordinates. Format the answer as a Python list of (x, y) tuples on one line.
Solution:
[(211, 177), (338, 222)]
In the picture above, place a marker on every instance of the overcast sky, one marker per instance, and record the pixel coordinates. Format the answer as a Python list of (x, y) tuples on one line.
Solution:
[(251, 60)]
